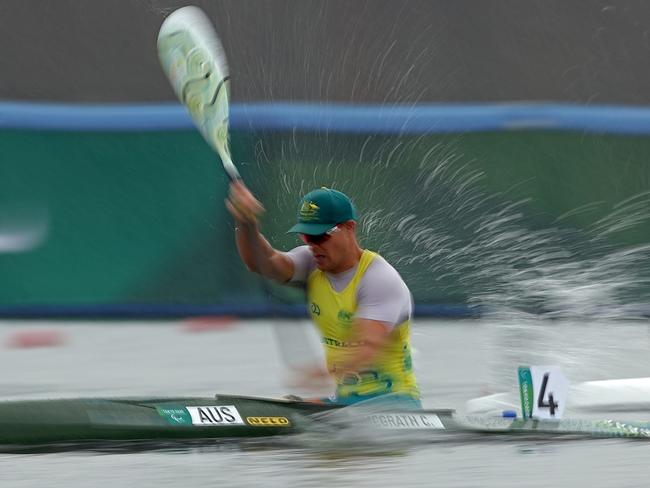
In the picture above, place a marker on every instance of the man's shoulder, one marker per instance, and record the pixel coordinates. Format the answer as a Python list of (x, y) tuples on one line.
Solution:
[(383, 294), (380, 262), (303, 262), (382, 273)]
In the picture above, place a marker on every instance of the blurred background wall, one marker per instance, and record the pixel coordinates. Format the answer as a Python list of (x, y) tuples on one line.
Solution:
[(381, 51), (529, 209)]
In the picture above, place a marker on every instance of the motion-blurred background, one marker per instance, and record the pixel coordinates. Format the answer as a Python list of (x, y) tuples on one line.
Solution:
[(498, 152)]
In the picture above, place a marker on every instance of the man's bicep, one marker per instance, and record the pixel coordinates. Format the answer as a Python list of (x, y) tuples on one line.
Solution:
[(284, 267), (372, 331)]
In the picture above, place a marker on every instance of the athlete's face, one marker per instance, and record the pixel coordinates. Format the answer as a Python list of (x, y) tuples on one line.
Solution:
[(330, 249)]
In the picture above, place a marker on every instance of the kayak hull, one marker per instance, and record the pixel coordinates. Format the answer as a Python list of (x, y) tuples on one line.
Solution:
[(83, 420), (64, 420)]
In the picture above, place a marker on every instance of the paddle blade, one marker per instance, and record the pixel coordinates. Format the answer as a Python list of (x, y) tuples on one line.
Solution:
[(193, 59)]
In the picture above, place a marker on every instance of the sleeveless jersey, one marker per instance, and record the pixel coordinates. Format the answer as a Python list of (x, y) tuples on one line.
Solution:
[(334, 313)]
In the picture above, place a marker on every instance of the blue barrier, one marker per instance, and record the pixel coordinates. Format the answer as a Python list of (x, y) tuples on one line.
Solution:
[(393, 119), (396, 119), (248, 310)]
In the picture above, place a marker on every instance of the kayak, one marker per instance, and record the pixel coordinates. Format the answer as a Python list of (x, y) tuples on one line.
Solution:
[(82, 420), (627, 396)]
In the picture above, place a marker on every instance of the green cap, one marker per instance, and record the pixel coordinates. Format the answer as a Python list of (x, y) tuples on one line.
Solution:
[(322, 209)]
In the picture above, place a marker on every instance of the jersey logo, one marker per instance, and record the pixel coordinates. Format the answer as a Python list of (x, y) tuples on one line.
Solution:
[(345, 317), (315, 309)]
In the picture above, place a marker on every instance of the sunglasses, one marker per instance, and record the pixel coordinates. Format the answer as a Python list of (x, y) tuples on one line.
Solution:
[(320, 238)]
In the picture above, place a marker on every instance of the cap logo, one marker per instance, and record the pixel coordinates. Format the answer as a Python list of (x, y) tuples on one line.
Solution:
[(309, 211)]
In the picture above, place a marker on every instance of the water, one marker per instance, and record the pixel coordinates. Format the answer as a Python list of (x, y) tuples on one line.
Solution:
[(456, 360)]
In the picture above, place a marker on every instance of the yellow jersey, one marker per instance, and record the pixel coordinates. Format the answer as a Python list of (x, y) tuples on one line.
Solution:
[(334, 314)]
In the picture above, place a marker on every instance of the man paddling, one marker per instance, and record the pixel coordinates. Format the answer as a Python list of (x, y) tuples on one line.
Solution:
[(358, 301)]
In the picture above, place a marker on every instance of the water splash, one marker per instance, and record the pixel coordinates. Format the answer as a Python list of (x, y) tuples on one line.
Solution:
[(427, 210), (486, 243)]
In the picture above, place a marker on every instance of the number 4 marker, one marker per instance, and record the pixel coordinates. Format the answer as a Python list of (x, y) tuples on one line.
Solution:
[(548, 385), (551, 404)]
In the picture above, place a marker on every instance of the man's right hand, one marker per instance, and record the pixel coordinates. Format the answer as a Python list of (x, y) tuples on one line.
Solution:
[(256, 252), (243, 206)]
